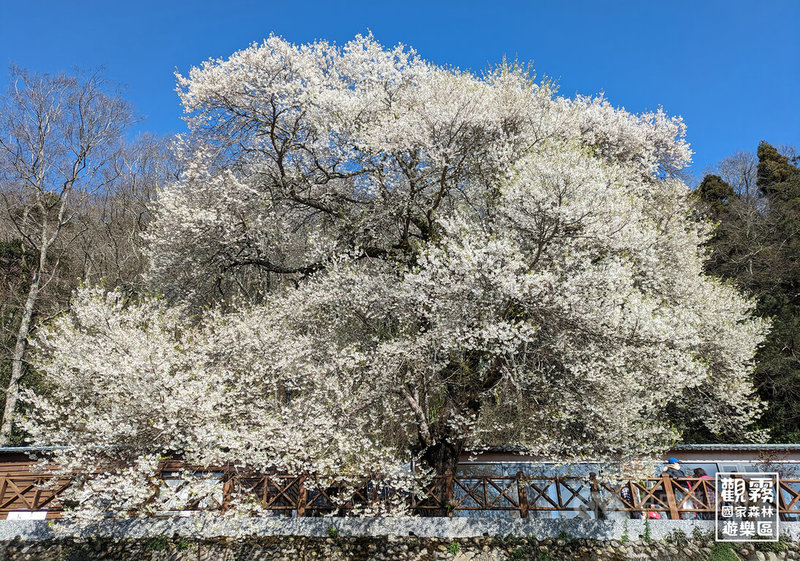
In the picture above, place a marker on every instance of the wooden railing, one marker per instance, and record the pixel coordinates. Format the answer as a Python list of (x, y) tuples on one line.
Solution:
[(524, 495), (30, 493)]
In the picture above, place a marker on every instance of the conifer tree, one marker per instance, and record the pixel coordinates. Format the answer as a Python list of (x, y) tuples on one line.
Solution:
[(757, 244), (778, 370)]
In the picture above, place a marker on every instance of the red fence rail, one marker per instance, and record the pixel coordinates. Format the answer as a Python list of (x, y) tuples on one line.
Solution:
[(523, 495)]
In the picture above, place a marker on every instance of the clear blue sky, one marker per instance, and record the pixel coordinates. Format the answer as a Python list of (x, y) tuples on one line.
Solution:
[(730, 68)]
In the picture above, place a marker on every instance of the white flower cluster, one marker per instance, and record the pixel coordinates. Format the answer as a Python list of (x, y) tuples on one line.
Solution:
[(400, 260), (135, 385)]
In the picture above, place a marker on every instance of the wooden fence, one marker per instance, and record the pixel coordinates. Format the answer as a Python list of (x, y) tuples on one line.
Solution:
[(523, 495)]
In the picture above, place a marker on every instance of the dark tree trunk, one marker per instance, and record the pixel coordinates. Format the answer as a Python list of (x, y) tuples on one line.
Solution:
[(442, 458)]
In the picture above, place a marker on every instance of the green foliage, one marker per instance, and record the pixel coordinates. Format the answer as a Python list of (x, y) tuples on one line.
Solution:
[(723, 552), (508, 541), (647, 536), (333, 532), (565, 537), (777, 372), (183, 544), (158, 543), (773, 169), (757, 245), (454, 548), (700, 535), (678, 537), (715, 194), (520, 548), (15, 274), (775, 547)]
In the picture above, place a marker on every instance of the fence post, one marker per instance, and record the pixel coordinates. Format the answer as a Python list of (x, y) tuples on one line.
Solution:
[(449, 493), (669, 489), (522, 492), (301, 496), (227, 490), (374, 494)]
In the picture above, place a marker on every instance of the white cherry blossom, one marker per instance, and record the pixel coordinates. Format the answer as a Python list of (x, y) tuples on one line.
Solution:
[(372, 259)]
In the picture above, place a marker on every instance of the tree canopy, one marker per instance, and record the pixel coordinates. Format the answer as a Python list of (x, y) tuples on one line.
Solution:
[(370, 259)]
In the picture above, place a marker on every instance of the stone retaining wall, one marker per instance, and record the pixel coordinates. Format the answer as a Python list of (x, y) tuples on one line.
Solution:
[(382, 539)]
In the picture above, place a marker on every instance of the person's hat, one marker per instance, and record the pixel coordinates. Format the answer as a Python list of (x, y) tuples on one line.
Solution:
[(673, 461)]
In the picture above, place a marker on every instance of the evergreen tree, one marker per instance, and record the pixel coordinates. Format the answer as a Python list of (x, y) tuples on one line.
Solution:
[(778, 370), (717, 194), (774, 170), (757, 244)]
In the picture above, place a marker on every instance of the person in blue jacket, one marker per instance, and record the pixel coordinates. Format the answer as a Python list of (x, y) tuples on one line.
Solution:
[(674, 472)]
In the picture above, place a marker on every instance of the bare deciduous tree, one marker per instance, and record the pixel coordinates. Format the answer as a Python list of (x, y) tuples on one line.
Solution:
[(59, 142), (109, 249)]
